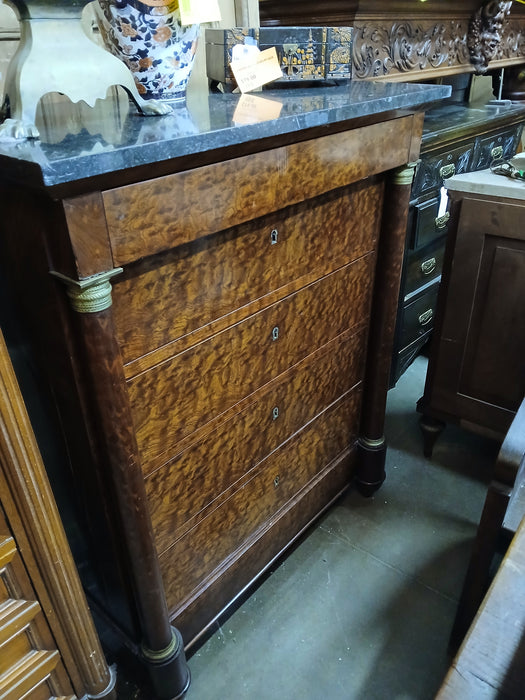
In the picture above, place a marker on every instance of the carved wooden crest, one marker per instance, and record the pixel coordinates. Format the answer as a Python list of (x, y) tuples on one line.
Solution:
[(486, 31)]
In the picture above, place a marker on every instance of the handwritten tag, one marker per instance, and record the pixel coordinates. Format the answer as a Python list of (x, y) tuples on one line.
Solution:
[(199, 11), (251, 110), (257, 70)]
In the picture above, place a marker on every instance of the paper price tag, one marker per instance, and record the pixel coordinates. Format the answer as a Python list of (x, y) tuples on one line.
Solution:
[(256, 71), (251, 110), (199, 11)]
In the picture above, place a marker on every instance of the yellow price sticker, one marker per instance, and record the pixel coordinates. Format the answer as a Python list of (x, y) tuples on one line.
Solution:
[(199, 11)]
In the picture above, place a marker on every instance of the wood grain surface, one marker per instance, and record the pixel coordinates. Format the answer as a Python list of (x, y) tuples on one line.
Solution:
[(278, 479), (204, 474), (163, 213), (208, 282), (175, 398)]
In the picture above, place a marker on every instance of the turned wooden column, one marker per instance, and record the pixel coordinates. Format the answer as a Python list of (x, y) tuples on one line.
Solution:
[(61, 595), (161, 646), (372, 445)]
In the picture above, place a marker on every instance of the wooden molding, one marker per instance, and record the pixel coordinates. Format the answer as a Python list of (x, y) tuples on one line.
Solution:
[(43, 542), (423, 49)]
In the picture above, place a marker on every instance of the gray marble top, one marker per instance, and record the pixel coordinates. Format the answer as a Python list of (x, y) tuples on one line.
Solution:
[(78, 142), (452, 118)]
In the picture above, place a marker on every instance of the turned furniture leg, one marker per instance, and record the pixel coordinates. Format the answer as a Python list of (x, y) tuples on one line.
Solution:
[(431, 429), (372, 445), (162, 646)]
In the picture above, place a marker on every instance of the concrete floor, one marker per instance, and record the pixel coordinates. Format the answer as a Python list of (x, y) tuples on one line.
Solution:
[(363, 605)]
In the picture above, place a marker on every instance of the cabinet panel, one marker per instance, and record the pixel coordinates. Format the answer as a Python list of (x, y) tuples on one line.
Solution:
[(418, 316), (436, 167), (172, 400), (477, 374), (195, 557), (202, 473), (160, 214), (494, 147), (428, 225), (163, 298), (423, 266)]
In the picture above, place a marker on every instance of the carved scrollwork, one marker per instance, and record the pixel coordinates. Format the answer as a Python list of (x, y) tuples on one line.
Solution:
[(407, 46), (486, 32)]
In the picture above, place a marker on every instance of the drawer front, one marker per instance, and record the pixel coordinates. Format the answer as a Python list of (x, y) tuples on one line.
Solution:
[(423, 266), (428, 226), (203, 474), (494, 147), (163, 298), (435, 168), (178, 396), (228, 530), (418, 316), (162, 213)]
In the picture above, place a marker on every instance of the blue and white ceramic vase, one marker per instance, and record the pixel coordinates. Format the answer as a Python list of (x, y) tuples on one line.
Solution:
[(148, 37)]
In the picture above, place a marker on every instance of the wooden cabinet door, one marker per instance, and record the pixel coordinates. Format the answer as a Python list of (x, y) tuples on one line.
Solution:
[(479, 373), (30, 664)]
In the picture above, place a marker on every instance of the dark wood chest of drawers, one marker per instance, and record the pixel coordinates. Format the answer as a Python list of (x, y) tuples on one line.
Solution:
[(457, 139), (217, 332)]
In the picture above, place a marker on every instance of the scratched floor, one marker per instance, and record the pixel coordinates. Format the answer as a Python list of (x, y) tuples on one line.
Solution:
[(362, 607)]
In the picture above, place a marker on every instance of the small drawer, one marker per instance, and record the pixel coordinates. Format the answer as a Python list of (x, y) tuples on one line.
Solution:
[(501, 145), (423, 266), (418, 316), (435, 167), (203, 474), (427, 225), (160, 214), (221, 537), (189, 390), (161, 299)]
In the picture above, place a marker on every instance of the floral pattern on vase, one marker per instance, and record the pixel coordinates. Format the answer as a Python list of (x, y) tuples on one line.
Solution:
[(148, 37)]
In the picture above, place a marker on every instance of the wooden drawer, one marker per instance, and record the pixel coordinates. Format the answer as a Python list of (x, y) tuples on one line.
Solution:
[(161, 299), (184, 393), (423, 266), (436, 166), (218, 540), (427, 225), (205, 472), (418, 316), (495, 146), (149, 217)]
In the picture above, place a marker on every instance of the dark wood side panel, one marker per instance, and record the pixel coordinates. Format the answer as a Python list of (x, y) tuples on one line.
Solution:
[(494, 366), (216, 540), (204, 474), (477, 353), (172, 400), (149, 217), (161, 299)]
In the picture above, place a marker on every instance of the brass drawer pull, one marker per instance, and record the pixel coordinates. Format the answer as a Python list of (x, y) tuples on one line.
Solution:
[(447, 170), (275, 333), (441, 222), (428, 266), (426, 317), (496, 152), (274, 236)]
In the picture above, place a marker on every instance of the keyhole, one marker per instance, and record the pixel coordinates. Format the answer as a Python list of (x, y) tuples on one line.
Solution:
[(275, 333), (273, 236), (275, 413)]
